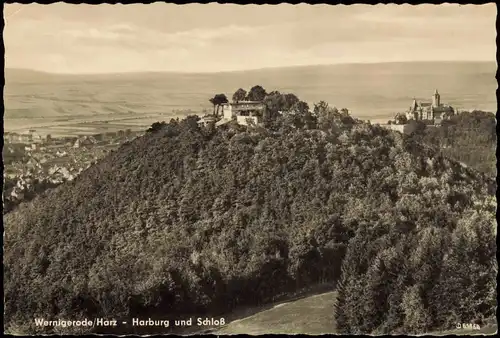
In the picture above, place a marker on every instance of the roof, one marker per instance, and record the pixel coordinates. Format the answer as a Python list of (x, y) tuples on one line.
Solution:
[(248, 105), (207, 118), (85, 140), (243, 102), (443, 108), (223, 121), (248, 108)]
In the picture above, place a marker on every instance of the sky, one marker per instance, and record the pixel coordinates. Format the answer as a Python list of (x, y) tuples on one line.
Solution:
[(66, 38)]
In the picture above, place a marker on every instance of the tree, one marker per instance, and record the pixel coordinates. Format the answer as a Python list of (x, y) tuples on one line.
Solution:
[(310, 120), (326, 116), (290, 101), (217, 100), (344, 111), (274, 102), (212, 101), (256, 93), (417, 127), (400, 118), (239, 95), (321, 108), (301, 108), (471, 253), (299, 116), (156, 126)]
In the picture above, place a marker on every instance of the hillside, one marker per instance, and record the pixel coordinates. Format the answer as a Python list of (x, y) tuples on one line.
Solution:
[(469, 137), (190, 221)]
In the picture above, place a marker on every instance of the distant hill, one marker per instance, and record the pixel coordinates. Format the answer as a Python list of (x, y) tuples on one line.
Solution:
[(187, 221), (16, 75), (371, 91)]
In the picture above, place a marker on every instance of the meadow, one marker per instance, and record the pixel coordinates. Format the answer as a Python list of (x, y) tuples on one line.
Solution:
[(306, 315)]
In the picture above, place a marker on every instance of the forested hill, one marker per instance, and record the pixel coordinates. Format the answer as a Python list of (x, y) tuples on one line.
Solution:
[(187, 220), (468, 137)]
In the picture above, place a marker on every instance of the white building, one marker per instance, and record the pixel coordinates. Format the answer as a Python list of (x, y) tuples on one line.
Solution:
[(244, 112)]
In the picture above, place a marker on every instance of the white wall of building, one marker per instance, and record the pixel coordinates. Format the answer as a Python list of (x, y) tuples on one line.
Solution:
[(244, 120), (227, 111)]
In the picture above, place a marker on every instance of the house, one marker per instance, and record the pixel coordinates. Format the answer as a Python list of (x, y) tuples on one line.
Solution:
[(207, 120), (110, 135), (18, 138), (430, 112), (37, 138), (69, 140), (85, 141), (99, 137), (244, 112)]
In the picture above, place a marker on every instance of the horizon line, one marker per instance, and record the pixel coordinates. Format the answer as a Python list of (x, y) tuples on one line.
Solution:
[(249, 69)]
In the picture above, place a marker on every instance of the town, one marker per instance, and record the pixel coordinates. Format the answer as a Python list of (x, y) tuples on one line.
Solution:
[(33, 163)]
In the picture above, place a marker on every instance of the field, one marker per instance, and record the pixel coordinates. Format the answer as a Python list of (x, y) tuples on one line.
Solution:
[(86, 125), (79, 104), (309, 315), (68, 126)]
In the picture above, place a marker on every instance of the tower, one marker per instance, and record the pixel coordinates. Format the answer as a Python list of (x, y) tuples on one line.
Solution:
[(436, 98), (414, 109), (414, 105)]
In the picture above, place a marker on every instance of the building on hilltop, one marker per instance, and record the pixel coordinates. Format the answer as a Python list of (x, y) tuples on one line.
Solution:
[(432, 112), (207, 120), (244, 112)]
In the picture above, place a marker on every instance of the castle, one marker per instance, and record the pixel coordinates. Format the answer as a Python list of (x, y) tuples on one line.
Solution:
[(433, 112)]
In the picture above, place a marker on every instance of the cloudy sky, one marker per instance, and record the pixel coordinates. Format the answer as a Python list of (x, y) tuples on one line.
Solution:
[(67, 38)]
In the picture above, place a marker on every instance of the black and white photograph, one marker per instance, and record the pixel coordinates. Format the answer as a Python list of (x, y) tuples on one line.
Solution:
[(224, 169)]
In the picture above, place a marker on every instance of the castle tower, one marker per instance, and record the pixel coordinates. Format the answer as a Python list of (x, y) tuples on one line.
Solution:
[(414, 104), (413, 111), (436, 99)]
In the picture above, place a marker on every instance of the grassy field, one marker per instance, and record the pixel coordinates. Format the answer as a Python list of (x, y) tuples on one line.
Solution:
[(308, 315), (86, 125)]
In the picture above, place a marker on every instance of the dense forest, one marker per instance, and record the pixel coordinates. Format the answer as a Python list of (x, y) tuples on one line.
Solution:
[(198, 220), (468, 137)]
